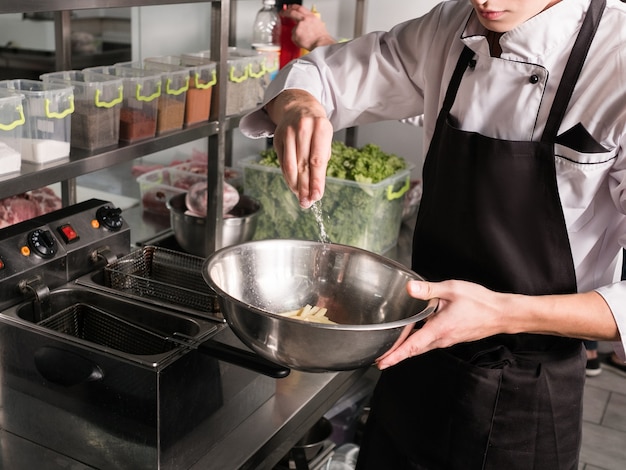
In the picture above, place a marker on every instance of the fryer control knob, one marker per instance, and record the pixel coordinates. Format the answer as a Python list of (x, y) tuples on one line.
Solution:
[(43, 243), (110, 217)]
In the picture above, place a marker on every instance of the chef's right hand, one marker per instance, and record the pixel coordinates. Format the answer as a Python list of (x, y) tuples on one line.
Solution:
[(302, 140), (309, 31)]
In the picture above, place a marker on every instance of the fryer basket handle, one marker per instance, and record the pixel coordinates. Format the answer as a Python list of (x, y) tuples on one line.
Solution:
[(65, 368), (242, 358)]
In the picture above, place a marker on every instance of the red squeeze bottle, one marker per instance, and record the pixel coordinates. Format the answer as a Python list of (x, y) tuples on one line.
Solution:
[(288, 50)]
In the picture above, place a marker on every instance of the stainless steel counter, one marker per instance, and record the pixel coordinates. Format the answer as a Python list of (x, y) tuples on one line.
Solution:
[(255, 439), (301, 399)]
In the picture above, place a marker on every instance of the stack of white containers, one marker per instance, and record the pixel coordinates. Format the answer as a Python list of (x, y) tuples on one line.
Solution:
[(47, 111), (11, 131)]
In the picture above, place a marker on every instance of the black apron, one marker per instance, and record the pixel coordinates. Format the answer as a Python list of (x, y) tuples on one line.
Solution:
[(490, 214)]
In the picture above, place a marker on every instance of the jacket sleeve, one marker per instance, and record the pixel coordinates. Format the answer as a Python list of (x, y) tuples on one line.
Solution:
[(378, 76)]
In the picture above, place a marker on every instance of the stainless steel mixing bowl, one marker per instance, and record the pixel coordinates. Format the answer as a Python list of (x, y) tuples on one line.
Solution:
[(365, 294), (190, 231)]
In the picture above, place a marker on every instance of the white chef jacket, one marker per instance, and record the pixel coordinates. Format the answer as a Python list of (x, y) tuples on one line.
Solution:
[(405, 72)]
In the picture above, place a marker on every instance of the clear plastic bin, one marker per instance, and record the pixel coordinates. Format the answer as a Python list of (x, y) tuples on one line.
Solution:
[(97, 101), (47, 112), (271, 62), (138, 114), (202, 78), (246, 77), (174, 86), (367, 216), (12, 127), (158, 186)]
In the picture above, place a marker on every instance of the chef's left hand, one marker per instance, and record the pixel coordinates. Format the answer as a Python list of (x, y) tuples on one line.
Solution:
[(466, 312)]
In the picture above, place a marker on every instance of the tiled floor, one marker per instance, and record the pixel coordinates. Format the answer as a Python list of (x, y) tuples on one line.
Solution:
[(604, 426)]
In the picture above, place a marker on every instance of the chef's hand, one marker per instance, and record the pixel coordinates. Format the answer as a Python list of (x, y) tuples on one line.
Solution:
[(302, 140), (466, 312), (310, 31)]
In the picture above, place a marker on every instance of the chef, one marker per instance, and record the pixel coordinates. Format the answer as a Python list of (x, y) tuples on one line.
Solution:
[(520, 229)]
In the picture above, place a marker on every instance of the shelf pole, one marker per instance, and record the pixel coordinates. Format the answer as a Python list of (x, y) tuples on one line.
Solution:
[(220, 26), (359, 21), (63, 61)]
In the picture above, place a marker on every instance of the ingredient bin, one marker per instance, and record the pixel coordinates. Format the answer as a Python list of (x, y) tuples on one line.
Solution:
[(97, 101), (159, 185), (246, 77), (47, 111), (138, 114), (202, 77), (11, 131), (363, 215), (174, 85)]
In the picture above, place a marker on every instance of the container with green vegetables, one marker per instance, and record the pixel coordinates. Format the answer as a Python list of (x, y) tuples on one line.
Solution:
[(362, 203)]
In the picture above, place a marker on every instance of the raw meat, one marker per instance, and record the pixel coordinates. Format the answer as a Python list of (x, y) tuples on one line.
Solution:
[(27, 205)]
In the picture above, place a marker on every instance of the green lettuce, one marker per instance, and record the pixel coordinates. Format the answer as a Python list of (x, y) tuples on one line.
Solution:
[(362, 203)]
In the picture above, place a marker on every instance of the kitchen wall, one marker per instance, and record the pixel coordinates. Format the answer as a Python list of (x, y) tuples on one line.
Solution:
[(164, 30), (38, 35)]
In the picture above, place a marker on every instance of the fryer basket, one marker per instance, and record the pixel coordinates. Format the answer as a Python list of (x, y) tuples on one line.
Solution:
[(97, 326), (166, 275)]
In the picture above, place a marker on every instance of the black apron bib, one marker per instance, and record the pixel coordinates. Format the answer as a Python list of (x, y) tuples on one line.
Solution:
[(490, 214)]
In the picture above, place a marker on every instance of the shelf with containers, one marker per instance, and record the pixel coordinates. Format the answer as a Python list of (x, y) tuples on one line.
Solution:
[(32, 175), (82, 161)]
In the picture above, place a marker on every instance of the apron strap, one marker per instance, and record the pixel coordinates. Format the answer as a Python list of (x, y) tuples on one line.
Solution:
[(455, 81), (568, 81), (573, 69)]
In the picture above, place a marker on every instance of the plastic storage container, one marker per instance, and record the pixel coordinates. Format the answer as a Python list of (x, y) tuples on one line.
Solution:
[(138, 113), (232, 176), (157, 186), (97, 103), (47, 112), (367, 216), (202, 78), (174, 86), (12, 127), (246, 77)]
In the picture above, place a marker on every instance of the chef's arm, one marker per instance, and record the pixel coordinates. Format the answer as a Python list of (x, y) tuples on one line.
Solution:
[(469, 312)]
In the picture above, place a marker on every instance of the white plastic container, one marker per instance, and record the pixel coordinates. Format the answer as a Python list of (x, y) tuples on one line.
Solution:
[(12, 127), (47, 111), (202, 78), (138, 115), (174, 86), (97, 101)]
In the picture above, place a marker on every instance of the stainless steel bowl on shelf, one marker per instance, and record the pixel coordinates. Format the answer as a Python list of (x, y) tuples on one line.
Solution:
[(190, 231), (364, 293)]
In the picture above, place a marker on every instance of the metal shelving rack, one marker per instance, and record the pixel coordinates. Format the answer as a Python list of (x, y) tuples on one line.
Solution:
[(216, 129), (81, 162)]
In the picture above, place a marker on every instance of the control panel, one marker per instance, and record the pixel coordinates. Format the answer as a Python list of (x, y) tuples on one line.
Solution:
[(60, 246)]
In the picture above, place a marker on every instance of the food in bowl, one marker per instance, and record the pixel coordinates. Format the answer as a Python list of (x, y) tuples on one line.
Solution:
[(309, 313)]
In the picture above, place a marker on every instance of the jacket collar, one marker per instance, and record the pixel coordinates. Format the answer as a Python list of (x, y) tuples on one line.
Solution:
[(535, 39)]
